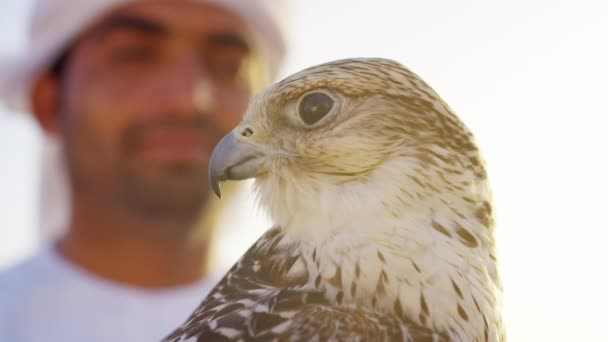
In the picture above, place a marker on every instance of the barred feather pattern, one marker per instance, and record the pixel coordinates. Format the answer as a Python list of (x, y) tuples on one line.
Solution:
[(257, 301)]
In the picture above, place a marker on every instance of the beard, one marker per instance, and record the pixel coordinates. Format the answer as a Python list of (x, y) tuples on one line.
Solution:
[(175, 190)]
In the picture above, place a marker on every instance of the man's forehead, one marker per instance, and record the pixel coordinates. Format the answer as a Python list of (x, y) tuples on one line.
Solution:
[(188, 18)]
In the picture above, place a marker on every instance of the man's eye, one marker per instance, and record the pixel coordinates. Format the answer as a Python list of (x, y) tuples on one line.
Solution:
[(225, 66), (227, 69)]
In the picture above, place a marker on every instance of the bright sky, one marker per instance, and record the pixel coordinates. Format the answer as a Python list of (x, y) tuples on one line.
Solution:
[(528, 77)]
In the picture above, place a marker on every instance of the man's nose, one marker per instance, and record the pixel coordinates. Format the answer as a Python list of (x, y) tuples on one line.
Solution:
[(191, 87)]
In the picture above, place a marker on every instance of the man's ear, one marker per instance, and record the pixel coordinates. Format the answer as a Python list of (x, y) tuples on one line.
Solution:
[(45, 102)]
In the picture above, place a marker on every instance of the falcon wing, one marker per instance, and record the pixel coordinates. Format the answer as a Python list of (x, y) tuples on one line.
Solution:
[(312, 322), (254, 302)]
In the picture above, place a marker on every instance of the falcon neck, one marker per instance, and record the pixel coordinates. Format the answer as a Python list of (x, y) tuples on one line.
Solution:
[(387, 194)]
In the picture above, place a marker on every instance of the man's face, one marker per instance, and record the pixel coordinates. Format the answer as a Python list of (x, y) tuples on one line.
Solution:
[(144, 97)]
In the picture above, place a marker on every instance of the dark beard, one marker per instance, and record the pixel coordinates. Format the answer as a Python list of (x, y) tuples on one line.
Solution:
[(175, 192)]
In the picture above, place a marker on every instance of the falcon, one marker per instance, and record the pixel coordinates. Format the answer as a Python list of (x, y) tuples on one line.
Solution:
[(383, 227)]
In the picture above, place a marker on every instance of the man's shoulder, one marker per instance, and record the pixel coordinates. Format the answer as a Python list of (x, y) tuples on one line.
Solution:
[(21, 271), (21, 278), (18, 284)]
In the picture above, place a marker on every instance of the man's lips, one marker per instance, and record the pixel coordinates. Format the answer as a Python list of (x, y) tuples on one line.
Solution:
[(174, 144)]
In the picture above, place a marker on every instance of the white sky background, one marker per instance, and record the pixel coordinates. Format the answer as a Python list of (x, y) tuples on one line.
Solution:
[(529, 79)]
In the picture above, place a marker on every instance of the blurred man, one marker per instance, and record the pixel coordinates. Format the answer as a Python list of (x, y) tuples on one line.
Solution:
[(138, 93)]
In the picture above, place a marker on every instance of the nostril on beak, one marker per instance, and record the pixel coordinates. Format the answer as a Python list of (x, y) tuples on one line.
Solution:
[(246, 132)]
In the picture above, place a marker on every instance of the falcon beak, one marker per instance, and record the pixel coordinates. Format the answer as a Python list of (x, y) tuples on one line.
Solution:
[(233, 159)]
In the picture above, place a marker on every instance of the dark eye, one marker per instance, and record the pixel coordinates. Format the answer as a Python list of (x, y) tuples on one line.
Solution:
[(314, 106)]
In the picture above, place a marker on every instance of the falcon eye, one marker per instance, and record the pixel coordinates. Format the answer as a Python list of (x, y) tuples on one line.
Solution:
[(314, 106)]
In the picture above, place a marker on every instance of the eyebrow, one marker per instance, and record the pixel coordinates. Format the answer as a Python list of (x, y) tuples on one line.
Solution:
[(229, 40), (132, 23), (221, 39)]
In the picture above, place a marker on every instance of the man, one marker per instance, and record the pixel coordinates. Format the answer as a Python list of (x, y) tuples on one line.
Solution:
[(138, 93)]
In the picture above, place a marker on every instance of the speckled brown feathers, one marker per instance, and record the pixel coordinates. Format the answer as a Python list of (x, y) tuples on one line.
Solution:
[(256, 301)]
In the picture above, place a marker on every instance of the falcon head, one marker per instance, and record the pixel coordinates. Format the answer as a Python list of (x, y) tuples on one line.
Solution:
[(339, 130)]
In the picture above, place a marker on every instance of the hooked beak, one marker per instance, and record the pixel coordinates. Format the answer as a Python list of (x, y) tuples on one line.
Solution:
[(233, 159)]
